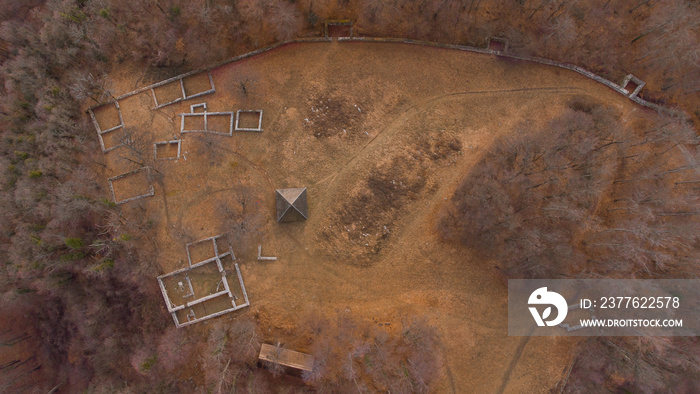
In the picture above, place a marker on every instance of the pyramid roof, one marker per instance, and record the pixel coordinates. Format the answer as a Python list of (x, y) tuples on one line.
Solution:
[(291, 204)]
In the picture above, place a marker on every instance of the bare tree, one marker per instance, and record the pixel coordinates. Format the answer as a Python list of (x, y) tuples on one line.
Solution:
[(87, 86), (137, 148)]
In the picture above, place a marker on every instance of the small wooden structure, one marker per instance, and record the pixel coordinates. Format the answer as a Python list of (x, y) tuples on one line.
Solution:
[(287, 358), (291, 204), (337, 28)]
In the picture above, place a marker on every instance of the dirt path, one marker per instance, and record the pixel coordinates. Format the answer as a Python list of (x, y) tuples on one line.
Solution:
[(416, 109)]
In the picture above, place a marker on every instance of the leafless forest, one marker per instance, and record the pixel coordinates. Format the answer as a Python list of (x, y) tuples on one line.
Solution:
[(79, 306), (588, 197)]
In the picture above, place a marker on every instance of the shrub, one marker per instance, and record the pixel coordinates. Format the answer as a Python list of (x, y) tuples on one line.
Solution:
[(149, 363), (75, 16), (72, 256), (174, 12), (104, 265), (74, 243)]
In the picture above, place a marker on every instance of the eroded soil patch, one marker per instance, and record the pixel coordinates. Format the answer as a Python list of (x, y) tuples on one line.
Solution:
[(366, 216), (330, 115)]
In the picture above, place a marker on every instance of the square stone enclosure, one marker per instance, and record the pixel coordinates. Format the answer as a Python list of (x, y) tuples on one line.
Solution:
[(182, 88), (108, 122), (131, 185), (249, 120), (632, 85), (167, 150), (206, 288), (220, 123)]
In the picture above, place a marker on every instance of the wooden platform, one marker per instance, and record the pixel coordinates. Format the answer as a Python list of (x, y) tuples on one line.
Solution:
[(287, 358)]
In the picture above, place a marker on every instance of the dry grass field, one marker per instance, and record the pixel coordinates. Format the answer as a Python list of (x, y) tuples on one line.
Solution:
[(380, 134)]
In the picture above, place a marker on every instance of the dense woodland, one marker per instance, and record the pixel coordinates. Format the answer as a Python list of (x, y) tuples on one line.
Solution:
[(79, 304), (585, 196), (588, 196)]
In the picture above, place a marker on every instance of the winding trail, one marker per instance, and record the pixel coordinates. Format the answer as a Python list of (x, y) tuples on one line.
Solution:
[(417, 108), (514, 362)]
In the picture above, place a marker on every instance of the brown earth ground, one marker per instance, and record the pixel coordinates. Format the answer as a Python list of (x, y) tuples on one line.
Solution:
[(380, 134)]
